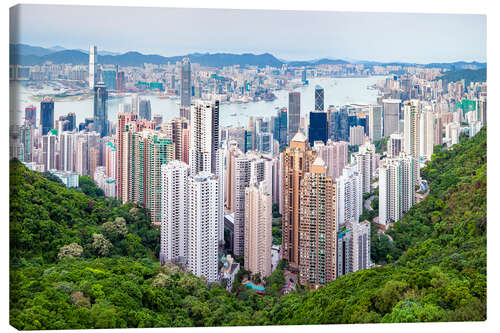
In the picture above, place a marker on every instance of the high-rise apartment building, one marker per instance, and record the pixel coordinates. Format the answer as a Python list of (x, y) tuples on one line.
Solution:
[(335, 156), (174, 212), (203, 224), (93, 76), (297, 160), (293, 113), (49, 150), (317, 227), (412, 134), (394, 145), (397, 188), (349, 196), (258, 229), (366, 160), (427, 133), (175, 129), (356, 135)]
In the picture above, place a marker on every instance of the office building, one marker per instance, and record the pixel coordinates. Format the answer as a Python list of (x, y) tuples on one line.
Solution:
[(101, 109), (297, 160), (280, 127), (319, 98), (30, 115), (375, 122), (258, 229), (293, 113), (185, 84), (93, 64), (339, 125), (318, 127), (317, 228), (390, 116), (47, 115), (145, 109)]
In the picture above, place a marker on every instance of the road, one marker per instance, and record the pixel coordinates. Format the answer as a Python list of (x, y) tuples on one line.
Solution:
[(368, 202)]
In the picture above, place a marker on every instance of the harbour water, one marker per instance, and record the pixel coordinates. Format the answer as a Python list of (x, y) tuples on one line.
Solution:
[(338, 91)]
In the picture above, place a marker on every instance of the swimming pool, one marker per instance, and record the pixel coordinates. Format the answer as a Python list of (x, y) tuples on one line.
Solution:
[(254, 287)]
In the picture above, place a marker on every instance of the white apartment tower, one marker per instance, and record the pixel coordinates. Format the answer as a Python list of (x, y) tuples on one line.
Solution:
[(203, 224), (397, 188), (174, 212), (412, 133), (349, 196), (427, 132), (375, 122), (365, 159)]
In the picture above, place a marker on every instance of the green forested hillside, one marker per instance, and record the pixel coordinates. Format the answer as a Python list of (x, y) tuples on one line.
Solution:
[(80, 261)]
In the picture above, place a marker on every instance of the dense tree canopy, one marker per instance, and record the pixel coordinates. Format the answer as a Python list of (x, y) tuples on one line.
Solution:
[(60, 276)]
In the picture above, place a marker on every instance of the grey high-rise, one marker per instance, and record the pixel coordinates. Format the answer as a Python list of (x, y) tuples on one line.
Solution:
[(145, 109), (293, 113), (185, 83), (319, 99), (101, 109)]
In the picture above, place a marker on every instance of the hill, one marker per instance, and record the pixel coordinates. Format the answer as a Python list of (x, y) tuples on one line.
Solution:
[(63, 276), (469, 75)]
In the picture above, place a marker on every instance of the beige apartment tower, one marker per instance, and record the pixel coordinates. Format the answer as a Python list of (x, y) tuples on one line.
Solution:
[(297, 160), (258, 229), (317, 244)]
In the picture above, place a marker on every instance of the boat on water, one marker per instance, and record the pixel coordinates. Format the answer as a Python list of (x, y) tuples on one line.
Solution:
[(233, 114)]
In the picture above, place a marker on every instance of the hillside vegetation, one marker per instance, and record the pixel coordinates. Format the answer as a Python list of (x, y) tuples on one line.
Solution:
[(81, 261)]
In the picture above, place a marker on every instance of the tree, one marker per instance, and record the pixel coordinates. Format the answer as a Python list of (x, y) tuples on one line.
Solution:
[(101, 245), (72, 250)]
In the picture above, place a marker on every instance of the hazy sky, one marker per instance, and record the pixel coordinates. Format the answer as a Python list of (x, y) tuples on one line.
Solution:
[(290, 35)]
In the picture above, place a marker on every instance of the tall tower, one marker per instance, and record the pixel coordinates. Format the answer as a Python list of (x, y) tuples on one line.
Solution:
[(318, 127), (93, 77), (174, 212), (185, 86), (412, 133), (47, 115), (365, 160), (335, 155), (293, 114), (203, 226), (297, 160), (375, 122), (319, 98), (101, 109), (258, 229), (204, 137), (391, 110), (349, 196), (317, 244)]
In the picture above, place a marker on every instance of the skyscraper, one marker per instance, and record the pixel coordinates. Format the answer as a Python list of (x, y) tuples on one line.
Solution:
[(317, 228), (391, 110), (174, 212), (427, 132), (335, 156), (185, 83), (319, 98), (297, 160), (30, 115), (101, 109), (365, 159), (258, 229), (375, 122), (397, 188), (93, 77), (318, 127), (356, 135), (47, 115), (203, 226), (145, 109), (293, 113), (349, 196), (394, 145), (204, 136), (49, 150), (412, 135)]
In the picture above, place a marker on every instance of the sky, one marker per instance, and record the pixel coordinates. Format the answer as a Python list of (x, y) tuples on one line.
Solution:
[(288, 35)]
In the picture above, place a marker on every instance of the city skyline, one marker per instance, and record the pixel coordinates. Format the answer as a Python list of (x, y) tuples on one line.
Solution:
[(234, 31)]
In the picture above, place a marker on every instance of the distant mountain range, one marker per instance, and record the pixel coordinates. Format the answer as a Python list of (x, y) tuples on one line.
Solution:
[(23, 54)]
